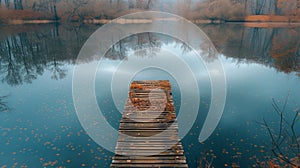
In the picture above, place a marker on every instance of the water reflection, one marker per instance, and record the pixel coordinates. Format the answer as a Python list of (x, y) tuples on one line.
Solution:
[(143, 44), (273, 47), (26, 55), (3, 104), (260, 63)]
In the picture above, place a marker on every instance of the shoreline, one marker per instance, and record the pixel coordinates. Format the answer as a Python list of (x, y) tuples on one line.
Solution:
[(20, 22), (248, 23)]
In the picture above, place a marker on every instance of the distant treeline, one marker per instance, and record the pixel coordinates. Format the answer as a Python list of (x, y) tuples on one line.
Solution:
[(80, 10)]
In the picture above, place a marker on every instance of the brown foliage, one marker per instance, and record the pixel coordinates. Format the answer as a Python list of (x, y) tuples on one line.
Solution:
[(225, 10), (23, 15), (285, 45), (271, 18), (289, 7)]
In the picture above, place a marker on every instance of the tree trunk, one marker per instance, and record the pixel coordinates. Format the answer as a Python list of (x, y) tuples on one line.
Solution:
[(7, 4), (245, 7), (276, 11), (18, 5), (55, 13)]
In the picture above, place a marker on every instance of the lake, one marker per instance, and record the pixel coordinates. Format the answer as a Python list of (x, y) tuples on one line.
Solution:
[(39, 125)]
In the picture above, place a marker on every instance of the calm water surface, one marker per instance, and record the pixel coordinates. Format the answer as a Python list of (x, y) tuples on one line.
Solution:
[(41, 127)]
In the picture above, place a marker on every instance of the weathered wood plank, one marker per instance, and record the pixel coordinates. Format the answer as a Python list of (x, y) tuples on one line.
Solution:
[(149, 165), (147, 127), (177, 157), (137, 144), (159, 161)]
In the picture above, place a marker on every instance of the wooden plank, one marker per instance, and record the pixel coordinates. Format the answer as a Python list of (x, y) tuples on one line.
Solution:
[(177, 157), (159, 161), (168, 131), (147, 125), (149, 153), (149, 129), (124, 120), (149, 165), (157, 143), (140, 145), (121, 147)]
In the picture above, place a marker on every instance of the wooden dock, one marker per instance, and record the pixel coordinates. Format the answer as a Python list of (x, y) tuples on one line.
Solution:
[(148, 133)]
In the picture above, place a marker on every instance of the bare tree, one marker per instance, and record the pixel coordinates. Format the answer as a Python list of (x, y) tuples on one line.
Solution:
[(46, 6), (183, 8), (18, 5), (219, 10), (149, 3), (257, 6), (53, 9), (285, 141), (140, 4), (75, 9), (7, 4), (276, 11)]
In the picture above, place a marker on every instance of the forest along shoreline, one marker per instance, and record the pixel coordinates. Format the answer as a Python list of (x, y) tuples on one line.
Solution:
[(272, 13), (248, 21)]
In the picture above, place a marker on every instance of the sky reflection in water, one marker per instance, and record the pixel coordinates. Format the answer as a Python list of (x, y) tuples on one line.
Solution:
[(42, 128)]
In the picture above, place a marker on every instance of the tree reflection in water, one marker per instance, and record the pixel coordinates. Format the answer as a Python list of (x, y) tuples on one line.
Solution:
[(273, 47), (3, 105), (25, 55)]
